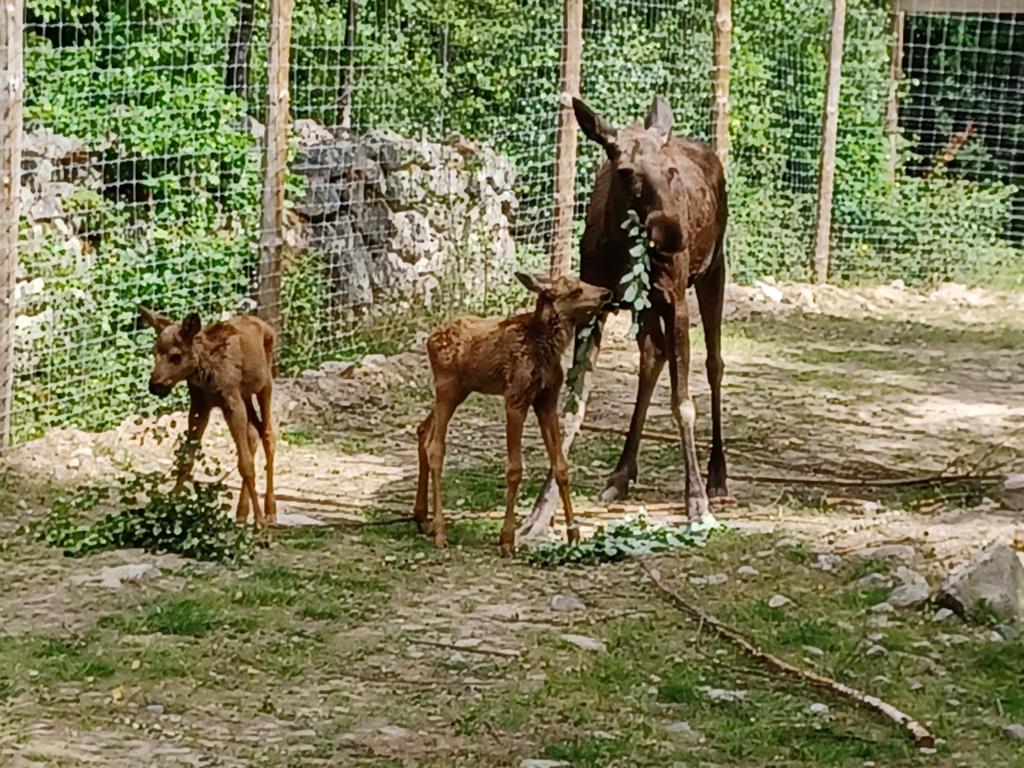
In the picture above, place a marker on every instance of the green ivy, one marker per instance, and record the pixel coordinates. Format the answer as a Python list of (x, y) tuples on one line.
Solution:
[(630, 538)]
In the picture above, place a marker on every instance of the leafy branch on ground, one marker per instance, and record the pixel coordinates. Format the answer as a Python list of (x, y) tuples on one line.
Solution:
[(192, 522), (629, 538)]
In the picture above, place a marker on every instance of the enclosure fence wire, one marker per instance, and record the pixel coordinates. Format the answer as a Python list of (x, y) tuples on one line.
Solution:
[(421, 163)]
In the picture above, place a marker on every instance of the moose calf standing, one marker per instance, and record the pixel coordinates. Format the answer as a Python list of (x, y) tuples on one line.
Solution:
[(519, 358), (225, 365)]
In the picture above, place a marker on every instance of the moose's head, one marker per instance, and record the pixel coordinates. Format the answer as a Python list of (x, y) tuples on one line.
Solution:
[(642, 166), (173, 352)]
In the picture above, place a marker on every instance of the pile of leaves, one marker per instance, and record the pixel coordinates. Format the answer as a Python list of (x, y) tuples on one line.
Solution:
[(192, 522), (630, 538), (634, 288)]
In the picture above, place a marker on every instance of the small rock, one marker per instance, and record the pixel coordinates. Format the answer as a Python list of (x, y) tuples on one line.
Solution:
[(746, 570), (770, 292), (884, 607), (339, 368), (567, 603), (942, 614), (155, 709), (1015, 731), (877, 650), (678, 727), (914, 685), (1013, 492), (113, 578), (993, 578), (995, 637), (586, 643), (953, 702), (788, 541), (812, 650), (74, 463), (722, 694), (912, 591), (927, 750), (777, 601), (873, 580), (818, 709), (827, 562), (529, 763), (1006, 631), (717, 579)]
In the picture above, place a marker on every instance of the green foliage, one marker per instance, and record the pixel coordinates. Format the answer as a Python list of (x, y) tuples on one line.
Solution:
[(630, 538), (192, 522)]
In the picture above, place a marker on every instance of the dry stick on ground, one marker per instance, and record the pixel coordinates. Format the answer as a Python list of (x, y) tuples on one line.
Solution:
[(921, 735), (940, 478)]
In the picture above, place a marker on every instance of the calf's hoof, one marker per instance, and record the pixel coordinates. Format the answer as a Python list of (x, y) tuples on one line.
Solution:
[(508, 548), (573, 535), (422, 524), (441, 540)]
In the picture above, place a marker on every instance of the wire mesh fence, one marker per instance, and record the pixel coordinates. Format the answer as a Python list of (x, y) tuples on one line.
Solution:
[(422, 162)]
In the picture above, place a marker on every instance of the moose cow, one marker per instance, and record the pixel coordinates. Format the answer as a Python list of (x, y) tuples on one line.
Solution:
[(676, 186)]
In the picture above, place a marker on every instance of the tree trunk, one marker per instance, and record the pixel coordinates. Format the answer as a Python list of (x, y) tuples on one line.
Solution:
[(347, 67)]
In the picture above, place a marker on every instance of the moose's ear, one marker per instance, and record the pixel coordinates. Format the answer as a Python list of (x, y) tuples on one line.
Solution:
[(154, 320), (534, 283), (665, 233), (659, 117), (190, 327), (594, 127)]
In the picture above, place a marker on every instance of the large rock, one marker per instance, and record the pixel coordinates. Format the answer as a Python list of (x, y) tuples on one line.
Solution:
[(911, 591), (400, 217), (993, 579)]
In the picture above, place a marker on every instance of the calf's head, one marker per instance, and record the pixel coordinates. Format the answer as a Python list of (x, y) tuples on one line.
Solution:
[(571, 298), (174, 356), (643, 171)]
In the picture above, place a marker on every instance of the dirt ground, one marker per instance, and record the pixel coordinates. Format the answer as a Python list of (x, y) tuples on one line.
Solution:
[(416, 666)]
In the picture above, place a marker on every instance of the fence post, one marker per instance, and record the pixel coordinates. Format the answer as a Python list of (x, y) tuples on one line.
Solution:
[(829, 131), (892, 107), (565, 162), (268, 297), (723, 66), (348, 69), (12, 89)]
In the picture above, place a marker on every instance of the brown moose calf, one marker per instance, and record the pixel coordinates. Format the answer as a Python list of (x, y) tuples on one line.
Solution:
[(519, 358), (225, 365)]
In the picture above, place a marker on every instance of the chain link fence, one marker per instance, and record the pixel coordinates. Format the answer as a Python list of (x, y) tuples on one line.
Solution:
[(422, 162)]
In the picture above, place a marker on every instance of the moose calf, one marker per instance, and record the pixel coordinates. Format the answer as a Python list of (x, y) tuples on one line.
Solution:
[(225, 365), (519, 358)]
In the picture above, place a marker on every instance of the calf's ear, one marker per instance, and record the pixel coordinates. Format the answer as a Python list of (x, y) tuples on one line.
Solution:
[(154, 320), (190, 327), (534, 283)]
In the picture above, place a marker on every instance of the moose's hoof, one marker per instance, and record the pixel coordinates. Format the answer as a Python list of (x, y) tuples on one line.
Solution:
[(508, 549), (441, 540), (573, 535), (422, 524), (615, 492)]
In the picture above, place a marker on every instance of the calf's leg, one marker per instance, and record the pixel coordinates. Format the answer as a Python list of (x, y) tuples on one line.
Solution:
[(269, 439), (237, 417), (198, 418), (446, 400), (547, 415), (419, 510), (514, 419)]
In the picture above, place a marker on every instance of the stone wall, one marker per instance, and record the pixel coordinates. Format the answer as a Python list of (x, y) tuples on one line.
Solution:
[(398, 219)]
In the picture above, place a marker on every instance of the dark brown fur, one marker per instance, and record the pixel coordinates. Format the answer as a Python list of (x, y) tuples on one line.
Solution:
[(225, 365), (677, 187), (519, 358)]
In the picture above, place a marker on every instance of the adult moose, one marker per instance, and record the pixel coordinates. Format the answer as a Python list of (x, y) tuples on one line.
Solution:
[(676, 185)]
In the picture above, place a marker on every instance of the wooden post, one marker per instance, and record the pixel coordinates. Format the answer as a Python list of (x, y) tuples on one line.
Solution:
[(723, 65), (12, 89), (829, 130), (565, 157), (268, 296), (348, 70), (892, 108)]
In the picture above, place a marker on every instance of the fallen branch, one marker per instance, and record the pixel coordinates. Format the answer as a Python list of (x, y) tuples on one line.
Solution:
[(922, 736), (938, 478)]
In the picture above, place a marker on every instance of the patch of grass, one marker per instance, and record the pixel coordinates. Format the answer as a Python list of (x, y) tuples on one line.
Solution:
[(865, 598), (868, 565), (70, 659), (184, 616), (819, 633), (593, 751), (7, 689)]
